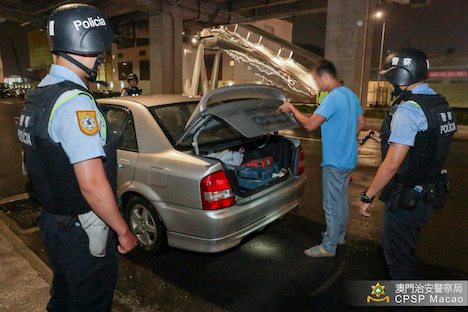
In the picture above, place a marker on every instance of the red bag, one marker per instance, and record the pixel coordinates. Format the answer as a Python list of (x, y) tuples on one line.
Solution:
[(262, 162)]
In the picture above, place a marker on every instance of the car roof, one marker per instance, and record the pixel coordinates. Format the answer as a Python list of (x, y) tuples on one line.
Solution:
[(152, 100)]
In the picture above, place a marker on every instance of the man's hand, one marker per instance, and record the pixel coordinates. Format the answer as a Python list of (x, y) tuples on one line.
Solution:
[(127, 242), (376, 136), (285, 108), (364, 208)]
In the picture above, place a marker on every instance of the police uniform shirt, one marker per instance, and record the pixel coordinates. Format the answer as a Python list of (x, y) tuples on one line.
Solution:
[(409, 119), (75, 121)]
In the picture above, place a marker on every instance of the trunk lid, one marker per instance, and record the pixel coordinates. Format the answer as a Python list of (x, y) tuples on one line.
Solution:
[(250, 109)]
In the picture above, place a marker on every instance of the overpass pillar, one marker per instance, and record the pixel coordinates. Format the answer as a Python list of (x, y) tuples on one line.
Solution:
[(165, 32), (348, 42), (1, 67)]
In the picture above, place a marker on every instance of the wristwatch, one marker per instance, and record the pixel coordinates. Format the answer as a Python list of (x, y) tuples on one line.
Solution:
[(366, 199)]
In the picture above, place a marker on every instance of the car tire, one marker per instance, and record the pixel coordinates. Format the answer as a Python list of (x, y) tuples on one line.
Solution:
[(145, 222)]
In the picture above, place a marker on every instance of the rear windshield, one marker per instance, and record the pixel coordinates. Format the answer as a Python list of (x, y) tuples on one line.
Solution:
[(173, 118)]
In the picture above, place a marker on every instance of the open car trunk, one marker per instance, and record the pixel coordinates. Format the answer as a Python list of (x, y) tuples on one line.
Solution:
[(257, 165), (234, 125)]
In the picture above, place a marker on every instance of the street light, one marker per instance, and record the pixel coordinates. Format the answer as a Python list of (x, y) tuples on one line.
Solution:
[(379, 15)]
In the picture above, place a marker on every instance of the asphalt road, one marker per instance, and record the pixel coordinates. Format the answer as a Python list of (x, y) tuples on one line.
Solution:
[(268, 271)]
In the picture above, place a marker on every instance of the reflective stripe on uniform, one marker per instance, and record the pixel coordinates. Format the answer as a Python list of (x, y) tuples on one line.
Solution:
[(104, 128), (412, 103)]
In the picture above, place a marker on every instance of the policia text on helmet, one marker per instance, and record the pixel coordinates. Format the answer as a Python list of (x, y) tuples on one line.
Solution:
[(82, 31), (404, 68)]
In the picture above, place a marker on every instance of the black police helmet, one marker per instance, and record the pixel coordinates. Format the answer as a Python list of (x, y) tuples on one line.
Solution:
[(132, 76), (79, 29), (405, 67)]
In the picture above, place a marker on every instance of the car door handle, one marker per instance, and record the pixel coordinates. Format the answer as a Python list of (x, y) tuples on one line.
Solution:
[(124, 163)]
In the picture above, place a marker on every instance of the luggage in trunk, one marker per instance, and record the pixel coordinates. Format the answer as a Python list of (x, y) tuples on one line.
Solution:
[(247, 180)]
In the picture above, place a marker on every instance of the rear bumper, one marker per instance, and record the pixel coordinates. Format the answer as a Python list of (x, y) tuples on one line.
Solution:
[(218, 230)]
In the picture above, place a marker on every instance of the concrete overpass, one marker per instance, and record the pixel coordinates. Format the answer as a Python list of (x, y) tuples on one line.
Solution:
[(348, 35)]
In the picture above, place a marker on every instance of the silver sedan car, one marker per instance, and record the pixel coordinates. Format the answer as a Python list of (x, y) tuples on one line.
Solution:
[(203, 174)]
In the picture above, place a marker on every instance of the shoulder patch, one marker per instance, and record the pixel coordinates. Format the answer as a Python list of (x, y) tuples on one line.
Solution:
[(87, 122)]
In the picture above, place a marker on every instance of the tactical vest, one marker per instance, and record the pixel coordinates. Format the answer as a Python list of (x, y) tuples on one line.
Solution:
[(426, 158), (133, 91), (47, 163)]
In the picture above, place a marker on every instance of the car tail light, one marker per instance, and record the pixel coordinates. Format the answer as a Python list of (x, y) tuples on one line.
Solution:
[(216, 191), (301, 168)]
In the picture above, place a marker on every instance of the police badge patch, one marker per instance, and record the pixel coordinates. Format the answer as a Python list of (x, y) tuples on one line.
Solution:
[(87, 121)]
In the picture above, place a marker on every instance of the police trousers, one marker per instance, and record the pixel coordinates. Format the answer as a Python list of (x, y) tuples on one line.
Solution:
[(81, 281), (400, 230)]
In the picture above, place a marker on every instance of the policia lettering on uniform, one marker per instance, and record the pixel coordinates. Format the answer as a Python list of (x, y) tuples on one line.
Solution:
[(415, 140), (70, 155)]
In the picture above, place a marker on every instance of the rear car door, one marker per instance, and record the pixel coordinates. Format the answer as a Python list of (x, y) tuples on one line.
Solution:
[(122, 124)]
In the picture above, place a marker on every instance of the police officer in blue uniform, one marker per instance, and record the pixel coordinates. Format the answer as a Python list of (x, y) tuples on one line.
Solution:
[(132, 88), (415, 138), (70, 155)]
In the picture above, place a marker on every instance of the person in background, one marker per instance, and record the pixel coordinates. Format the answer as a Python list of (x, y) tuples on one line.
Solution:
[(132, 88), (340, 118)]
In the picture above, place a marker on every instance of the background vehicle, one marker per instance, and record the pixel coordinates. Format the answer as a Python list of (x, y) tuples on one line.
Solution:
[(176, 191)]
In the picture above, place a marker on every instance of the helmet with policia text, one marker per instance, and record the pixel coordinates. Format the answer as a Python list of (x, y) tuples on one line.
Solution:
[(132, 76), (80, 29), (406, 67)]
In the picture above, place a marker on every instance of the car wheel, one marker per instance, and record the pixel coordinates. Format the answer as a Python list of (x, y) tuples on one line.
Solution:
[(145, 222)]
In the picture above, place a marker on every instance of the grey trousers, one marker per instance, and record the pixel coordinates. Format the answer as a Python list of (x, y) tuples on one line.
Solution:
[(335, 203)]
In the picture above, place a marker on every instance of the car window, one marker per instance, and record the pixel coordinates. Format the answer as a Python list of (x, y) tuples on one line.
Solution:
[(216, 131), (122, 124), (173, 118)]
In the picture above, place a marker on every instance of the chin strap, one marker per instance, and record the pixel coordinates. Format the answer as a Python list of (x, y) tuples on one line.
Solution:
[(92, 73), (396, 90), (399, 93)]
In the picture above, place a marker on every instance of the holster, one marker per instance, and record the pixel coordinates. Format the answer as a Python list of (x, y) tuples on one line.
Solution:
[(97, 232), (437, 192), (401, 196), (64, 223)]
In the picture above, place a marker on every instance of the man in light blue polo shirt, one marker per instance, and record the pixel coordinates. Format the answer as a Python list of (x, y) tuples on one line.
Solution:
[(340, 118)]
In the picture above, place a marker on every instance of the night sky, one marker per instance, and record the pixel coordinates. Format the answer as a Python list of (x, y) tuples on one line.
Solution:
[(435, 28)]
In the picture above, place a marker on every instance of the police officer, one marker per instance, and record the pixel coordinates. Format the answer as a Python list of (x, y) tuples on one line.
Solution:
[(415, 137), (132, 88), (70, 154)]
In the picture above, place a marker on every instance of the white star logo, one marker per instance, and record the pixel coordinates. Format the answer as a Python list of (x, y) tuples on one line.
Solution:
[(88, 122)]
